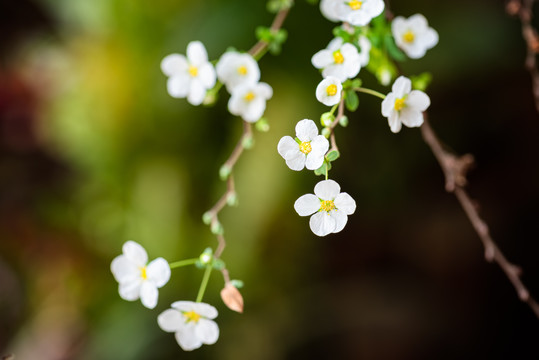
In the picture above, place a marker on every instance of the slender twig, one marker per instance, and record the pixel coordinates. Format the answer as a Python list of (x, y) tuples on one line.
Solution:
[(455, 169), (262, 46), (524, 10), (340, 114)]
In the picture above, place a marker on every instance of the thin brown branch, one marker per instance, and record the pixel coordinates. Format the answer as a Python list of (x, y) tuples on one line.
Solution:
[(340, 114), (524, 10), (261, 46), (455, 169)]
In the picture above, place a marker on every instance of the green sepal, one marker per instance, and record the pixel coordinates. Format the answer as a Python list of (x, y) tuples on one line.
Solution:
[(333, 155), (351, 100)]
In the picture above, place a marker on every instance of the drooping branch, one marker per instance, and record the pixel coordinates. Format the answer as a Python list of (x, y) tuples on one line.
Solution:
[(455, 169)]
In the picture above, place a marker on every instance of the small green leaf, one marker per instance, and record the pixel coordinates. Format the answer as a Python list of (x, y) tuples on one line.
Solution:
[(218, 264), (224, 172), (206, 218), (248, 142), (238, 284), (217, 228), (232, 199), (351, 100), (333, 155), (321, 170)]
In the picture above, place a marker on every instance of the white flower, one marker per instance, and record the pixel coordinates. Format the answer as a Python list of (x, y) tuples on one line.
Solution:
[(364, 54), (308, 151), (235, 68), (189, 77), (136, 277), (328, 92), (328, 8), (329, 205), (359, 13), (413, 35), (249, 100), (404, 105), (192, 323), (338, 59)]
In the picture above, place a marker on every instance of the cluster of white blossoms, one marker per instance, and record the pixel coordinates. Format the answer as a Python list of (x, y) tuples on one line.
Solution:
[(191, 322), (404, 105), (191, 77), (354, 12)]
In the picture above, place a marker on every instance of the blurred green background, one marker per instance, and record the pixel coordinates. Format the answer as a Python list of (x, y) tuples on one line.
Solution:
[(94, 152)]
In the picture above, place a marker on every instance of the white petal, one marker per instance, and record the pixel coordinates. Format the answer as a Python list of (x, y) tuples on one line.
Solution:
[(335, 44), (206, 310), (418, 22), (319, 145), (307, 205), (322, 59), (388, 104), (173, 64), (264, 90), (314, 160), (124, 269), (196, 53), (235, 103), (148, 294), (322, 223), (327, 8), (170, 320), (340, 219), (297, 162), (401, 87), (430, 39), (254, 110), (288, 147), (346, 203), (327, 189), (178, 86), (130, 290), (411, 117), (207, 75), (415, 50), (207, 331), (158, 272), (306, 130), (135, 253), (398, 27), (185, 306), (418, 100), (187, 338), (394, 122), (196, 92)]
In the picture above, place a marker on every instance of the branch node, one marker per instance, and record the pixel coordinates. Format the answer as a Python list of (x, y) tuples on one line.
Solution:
[(490, 253)]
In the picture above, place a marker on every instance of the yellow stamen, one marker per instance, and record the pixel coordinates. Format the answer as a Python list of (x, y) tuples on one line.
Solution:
[(191, 316), (331, 90), (399, 104), (327, 205), (249, 96), (193, 70), (143, 273), (305, 147), (242, 70), (337, 57), (408, 36), (355, 5)]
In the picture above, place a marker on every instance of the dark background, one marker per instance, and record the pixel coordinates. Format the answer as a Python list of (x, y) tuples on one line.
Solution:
[(93, 152)]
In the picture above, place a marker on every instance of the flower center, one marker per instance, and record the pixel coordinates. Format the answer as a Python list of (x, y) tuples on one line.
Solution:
[(337, 57), (331, 90), (249, 96), (399, 104), (143, 273), (305, 147), (327, 205), (355, 5), (242, 70), (408, 36), (193, 70), (191, 316)]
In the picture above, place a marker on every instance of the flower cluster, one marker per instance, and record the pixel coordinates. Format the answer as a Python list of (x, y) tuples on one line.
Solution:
[(193, 76)]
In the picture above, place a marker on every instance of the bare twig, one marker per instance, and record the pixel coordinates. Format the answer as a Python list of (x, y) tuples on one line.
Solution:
[(262, 45), (524, 10), (455, 169)]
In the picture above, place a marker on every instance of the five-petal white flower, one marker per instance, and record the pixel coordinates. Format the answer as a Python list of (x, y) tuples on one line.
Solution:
[(136, 277), (192, 324), (249, 100), (413, 35), (329, 90), (338, 59), (358, 13), (235, 68), (404, 105), (329, 205), (189, 77), (308, 151)]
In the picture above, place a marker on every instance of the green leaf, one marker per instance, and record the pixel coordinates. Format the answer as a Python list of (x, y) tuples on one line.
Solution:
[(351, 100), (392, 49), (333, 155), (218, 264), (321, 170), (421, 81), (238, 284)]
